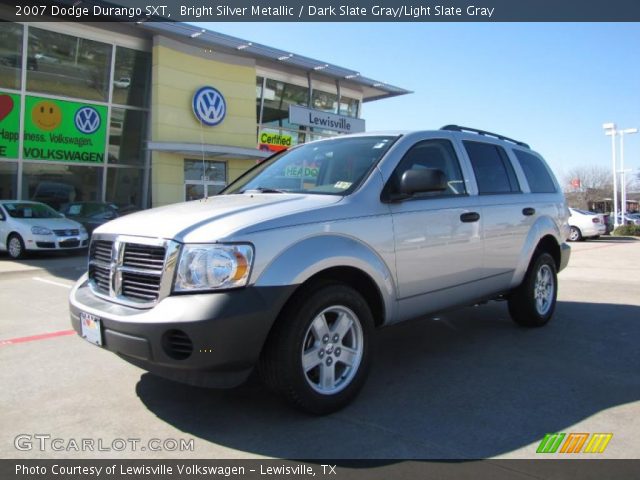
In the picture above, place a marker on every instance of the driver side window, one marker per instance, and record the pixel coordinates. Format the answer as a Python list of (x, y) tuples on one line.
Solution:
[(433, 154)]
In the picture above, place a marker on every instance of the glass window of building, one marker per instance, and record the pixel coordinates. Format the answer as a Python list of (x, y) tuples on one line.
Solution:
[(348, 106), (131, 77), (57, 185), (8, 180), (325, 101), (203, 178), (127, 133), (11, 55), (125, 187), (68, 65), (277, 98)]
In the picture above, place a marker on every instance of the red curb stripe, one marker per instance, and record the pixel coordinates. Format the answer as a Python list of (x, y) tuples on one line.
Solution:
[(32, 338)]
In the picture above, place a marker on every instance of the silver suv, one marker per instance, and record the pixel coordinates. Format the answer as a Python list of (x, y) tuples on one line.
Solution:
[(296, 263)]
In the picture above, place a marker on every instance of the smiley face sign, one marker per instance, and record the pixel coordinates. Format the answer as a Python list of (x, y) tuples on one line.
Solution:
[(46, 115)]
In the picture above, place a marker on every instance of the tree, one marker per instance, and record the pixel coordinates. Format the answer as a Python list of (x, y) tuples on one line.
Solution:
[(590, 187)]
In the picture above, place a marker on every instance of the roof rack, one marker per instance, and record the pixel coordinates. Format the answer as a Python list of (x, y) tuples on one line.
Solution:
[(458, 128)]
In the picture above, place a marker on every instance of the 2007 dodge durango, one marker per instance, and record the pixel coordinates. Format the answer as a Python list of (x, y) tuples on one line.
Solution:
[(296, 263)]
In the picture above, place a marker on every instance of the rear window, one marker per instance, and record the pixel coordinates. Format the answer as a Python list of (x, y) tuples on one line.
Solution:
[(537, 174), (494, 173)]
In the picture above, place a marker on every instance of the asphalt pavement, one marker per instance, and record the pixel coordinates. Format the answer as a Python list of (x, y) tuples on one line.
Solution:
[(467, 385)]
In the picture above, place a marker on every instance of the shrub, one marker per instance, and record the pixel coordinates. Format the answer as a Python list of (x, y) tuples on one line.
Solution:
[(628, 231)]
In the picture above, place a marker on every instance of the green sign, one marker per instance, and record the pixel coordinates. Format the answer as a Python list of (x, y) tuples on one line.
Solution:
[(65, 131), (9, 124)]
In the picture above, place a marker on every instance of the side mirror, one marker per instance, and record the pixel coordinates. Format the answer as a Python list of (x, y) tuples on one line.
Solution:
[(422, 181)]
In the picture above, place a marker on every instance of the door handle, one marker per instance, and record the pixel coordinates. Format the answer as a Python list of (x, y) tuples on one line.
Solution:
[(528, 211), (470, 217)]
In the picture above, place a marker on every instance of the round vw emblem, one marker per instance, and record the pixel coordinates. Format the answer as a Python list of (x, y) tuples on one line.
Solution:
[(87, 120), (209, 106)]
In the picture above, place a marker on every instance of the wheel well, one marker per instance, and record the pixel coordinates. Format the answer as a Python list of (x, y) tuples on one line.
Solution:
[(356, 279), (550, 245)]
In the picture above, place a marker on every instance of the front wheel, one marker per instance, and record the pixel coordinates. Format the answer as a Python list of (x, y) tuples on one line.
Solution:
[(533, 302), (319, 353), (15, 246)]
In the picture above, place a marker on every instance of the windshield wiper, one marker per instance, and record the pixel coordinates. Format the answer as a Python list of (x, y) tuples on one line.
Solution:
[(263, 190)]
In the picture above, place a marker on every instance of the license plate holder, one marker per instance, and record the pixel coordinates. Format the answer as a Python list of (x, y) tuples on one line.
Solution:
[(91, 328)]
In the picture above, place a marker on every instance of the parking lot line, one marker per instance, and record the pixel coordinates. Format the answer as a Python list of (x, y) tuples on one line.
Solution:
[(51, 282), (32, 338)]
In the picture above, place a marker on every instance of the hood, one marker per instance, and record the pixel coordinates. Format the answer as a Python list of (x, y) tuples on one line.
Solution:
[(214, 218), (50, 223)]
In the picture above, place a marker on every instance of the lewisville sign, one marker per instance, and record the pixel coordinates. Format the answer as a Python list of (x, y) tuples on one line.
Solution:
[(328, 121)]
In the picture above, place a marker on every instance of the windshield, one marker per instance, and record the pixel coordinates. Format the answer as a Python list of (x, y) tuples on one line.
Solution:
[(333, 167), (30, 210)]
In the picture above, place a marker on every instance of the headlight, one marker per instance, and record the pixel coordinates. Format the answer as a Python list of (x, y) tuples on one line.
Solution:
[(213, 267), (41, 231)]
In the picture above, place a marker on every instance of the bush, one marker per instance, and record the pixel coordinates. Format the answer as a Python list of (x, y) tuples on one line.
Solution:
[(627, 231)]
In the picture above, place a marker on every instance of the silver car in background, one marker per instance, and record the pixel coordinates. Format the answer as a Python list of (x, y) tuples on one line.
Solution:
[(296, 263), (585, 225), (33, 226)]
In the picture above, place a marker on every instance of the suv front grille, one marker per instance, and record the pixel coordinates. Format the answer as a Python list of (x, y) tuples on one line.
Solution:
[(128, 270)]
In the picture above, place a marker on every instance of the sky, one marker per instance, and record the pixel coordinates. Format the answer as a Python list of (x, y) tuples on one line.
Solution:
[(551, 85)]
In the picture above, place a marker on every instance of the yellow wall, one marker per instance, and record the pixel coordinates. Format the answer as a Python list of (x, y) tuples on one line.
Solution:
[(176, 75)]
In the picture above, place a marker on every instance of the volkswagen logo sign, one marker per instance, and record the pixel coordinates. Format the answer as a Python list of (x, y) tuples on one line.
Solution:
[(87, 120), (209, 106)]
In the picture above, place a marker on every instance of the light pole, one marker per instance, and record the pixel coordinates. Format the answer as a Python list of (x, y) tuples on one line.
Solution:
[(623, 182), (610, 129)]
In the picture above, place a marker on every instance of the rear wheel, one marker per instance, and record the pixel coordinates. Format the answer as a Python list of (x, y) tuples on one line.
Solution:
[(575, 235), (318, 355), (533, 302), (15, 246)]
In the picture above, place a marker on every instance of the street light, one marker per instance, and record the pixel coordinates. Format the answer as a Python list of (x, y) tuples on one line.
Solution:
[(610, 129), (623, 183)]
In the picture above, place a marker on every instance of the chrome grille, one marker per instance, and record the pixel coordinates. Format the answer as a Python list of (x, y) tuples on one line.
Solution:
[(130, 270)]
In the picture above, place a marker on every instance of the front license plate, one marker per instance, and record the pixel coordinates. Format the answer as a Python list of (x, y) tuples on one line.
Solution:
[(90, 327)]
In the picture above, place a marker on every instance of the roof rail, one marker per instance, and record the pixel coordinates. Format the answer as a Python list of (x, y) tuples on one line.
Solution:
[(458, 128)]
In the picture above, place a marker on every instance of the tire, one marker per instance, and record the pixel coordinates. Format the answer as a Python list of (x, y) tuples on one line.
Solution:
[(15, 246), (575, 235), (318, 354), (532, 304)]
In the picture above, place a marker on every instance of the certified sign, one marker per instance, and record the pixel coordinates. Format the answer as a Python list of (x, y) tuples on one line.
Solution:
[(209, 106)]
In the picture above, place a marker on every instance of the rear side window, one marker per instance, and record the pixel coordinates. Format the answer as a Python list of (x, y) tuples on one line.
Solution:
[(537, 174), (493, 171)]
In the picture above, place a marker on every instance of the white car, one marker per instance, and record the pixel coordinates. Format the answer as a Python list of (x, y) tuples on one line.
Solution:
[(585, 225), (28, 225), (122, 82)]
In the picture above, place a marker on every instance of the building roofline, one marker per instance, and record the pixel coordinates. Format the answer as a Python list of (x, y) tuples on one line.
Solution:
[(373, 89)]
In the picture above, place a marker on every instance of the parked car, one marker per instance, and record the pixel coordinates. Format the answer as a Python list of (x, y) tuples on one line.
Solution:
[(94, 214), (33, 226), (629, 219), (585, 224), (122, 82), (291, 269)]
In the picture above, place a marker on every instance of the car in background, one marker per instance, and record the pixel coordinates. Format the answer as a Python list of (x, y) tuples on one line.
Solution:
[(629, 219), (122, 82), (585, 224), (93, 214), (33, 226)]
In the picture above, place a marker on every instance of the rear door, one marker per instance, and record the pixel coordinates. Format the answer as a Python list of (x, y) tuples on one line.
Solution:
[(508, 212)]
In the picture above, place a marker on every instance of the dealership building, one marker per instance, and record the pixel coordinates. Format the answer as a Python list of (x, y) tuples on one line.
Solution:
[(152, 113)]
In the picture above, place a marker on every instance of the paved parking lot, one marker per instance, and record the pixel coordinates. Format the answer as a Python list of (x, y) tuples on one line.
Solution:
[(467, 385)]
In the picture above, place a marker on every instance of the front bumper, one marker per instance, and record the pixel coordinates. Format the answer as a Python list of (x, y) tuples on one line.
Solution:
[(54, 242), (226, 329)]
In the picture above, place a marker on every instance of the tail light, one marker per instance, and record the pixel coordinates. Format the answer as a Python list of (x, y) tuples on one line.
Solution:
[(595, 220)]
